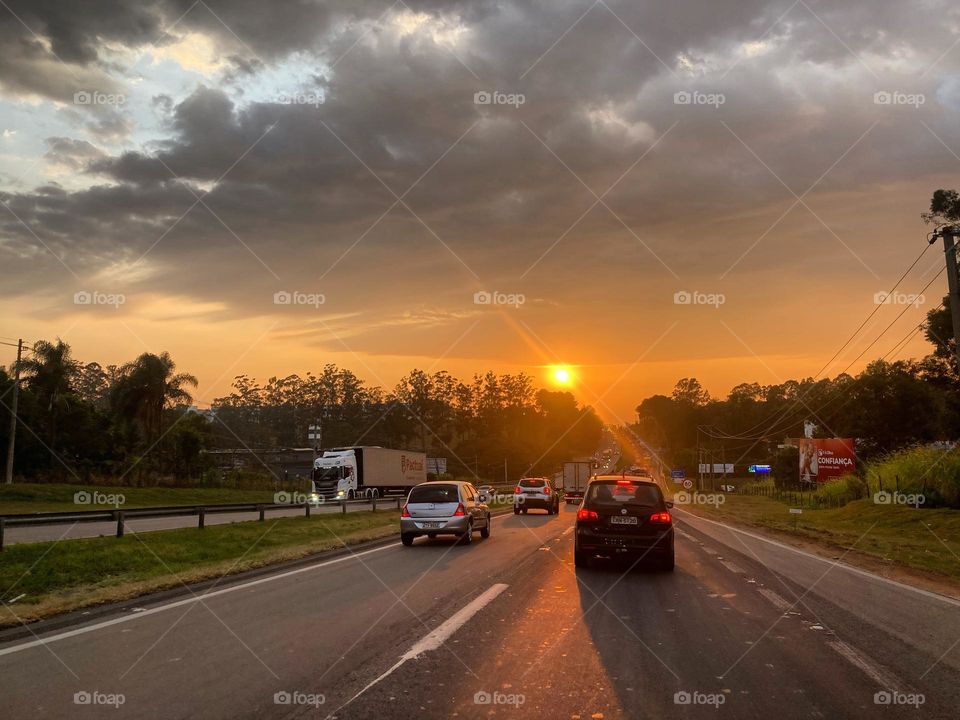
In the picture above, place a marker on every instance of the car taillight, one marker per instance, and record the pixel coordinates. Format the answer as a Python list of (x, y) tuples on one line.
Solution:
[(661, 517), (546, 490), (405, 513), (584, 514), (517, 490), (460, 511)]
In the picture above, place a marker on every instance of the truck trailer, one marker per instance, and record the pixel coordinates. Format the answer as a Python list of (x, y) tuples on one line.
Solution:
[(576, 473), (367, 471)]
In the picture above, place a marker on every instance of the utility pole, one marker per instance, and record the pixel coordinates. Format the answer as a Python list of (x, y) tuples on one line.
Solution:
[(949, 233), (11, 443), (505, 472)]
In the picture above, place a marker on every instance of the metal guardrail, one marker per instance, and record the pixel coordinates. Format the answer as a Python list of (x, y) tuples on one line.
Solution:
[(200, 511)]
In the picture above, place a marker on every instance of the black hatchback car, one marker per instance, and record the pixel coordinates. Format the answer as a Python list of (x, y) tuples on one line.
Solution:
[(624, 516)]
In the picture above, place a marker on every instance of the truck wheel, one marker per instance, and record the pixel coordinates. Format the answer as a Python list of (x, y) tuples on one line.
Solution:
[(375, 493), (350, 495), (406, 539), (485, 533)]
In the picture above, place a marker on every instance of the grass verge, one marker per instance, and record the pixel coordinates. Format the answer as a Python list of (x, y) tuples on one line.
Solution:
[(31, 498), (924, 539), (63, 576)]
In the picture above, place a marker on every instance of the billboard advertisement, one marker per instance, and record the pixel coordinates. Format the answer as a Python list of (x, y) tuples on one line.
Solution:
[(823, 459)]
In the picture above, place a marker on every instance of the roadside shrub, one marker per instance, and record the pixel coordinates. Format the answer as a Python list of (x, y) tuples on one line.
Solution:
[(841, 491), (934, 473)]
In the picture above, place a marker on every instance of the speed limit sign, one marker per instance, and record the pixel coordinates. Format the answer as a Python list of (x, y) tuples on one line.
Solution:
[(687, 484)]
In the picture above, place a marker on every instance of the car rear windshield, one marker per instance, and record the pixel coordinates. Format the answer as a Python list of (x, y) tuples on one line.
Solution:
[(613, 492), (434, 494), (533, 482)]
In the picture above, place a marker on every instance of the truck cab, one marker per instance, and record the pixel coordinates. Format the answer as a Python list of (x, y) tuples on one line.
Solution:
[(335, 475)]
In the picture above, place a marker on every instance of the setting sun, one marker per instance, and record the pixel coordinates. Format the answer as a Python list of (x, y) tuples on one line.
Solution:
[(561, 376)]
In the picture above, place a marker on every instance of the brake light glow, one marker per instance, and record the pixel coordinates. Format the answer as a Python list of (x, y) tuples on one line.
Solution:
[(460, 511), (584, 514), (546, 490), (405, 513), (517, 490), (661, 517), (628, 483)]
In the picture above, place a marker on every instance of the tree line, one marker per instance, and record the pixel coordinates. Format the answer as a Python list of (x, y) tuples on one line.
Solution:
[(134, 422)]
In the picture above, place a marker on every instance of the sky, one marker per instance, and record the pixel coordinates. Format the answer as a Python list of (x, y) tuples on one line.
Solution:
[(637, 191)]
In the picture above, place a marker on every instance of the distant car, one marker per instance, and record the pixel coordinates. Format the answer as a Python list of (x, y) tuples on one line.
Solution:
[(623, 516), (535, 492), (486, 492), (444, 507)]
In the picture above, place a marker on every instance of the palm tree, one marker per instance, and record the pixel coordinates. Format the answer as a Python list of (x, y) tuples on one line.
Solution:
[(147, 386), (50, 374)]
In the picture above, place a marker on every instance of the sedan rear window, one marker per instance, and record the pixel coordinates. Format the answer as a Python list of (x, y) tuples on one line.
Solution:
[(533, 482), (434, 494), (620, 492)]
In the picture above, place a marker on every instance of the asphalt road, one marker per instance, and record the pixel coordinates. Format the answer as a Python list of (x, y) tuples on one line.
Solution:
[(743, 628), (68, 531)]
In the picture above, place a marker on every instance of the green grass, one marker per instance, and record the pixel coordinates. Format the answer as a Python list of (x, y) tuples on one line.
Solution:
[(31, 498), (61, 576), (924, 539)]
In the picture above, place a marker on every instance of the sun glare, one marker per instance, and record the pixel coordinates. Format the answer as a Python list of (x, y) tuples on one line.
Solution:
[(561, 376)]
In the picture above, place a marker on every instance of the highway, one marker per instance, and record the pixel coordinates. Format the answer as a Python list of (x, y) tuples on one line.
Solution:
[(744, 628)]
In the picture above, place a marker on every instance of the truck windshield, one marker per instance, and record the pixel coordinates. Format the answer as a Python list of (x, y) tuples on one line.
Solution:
[(328, 473)]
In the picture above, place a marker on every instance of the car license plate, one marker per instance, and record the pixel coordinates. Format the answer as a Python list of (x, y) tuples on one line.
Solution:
[(623, 520), (431, 524)]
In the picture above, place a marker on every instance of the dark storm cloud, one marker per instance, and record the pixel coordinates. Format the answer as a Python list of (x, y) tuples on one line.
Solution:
[(284, 196)]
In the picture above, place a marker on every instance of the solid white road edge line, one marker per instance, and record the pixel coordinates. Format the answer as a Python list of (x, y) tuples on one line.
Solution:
[(840, 565), (194, 598), (439, 635)]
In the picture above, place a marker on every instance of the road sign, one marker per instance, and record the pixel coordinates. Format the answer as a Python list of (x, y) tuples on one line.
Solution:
[(758, 469), (687, 484), (678, 474), (796, 511)]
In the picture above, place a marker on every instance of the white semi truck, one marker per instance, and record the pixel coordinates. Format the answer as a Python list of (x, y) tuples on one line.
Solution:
[(366, 471), (576, 474)]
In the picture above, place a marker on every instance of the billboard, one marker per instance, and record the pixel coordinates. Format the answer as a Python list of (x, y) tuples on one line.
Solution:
[(823, 459), (437, 465)]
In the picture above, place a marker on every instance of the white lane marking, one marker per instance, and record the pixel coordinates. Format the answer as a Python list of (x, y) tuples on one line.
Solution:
[(778, 601), (733, 567), (194, 598), (876, 673), (437, 637), (839, 565), (568, 530)]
